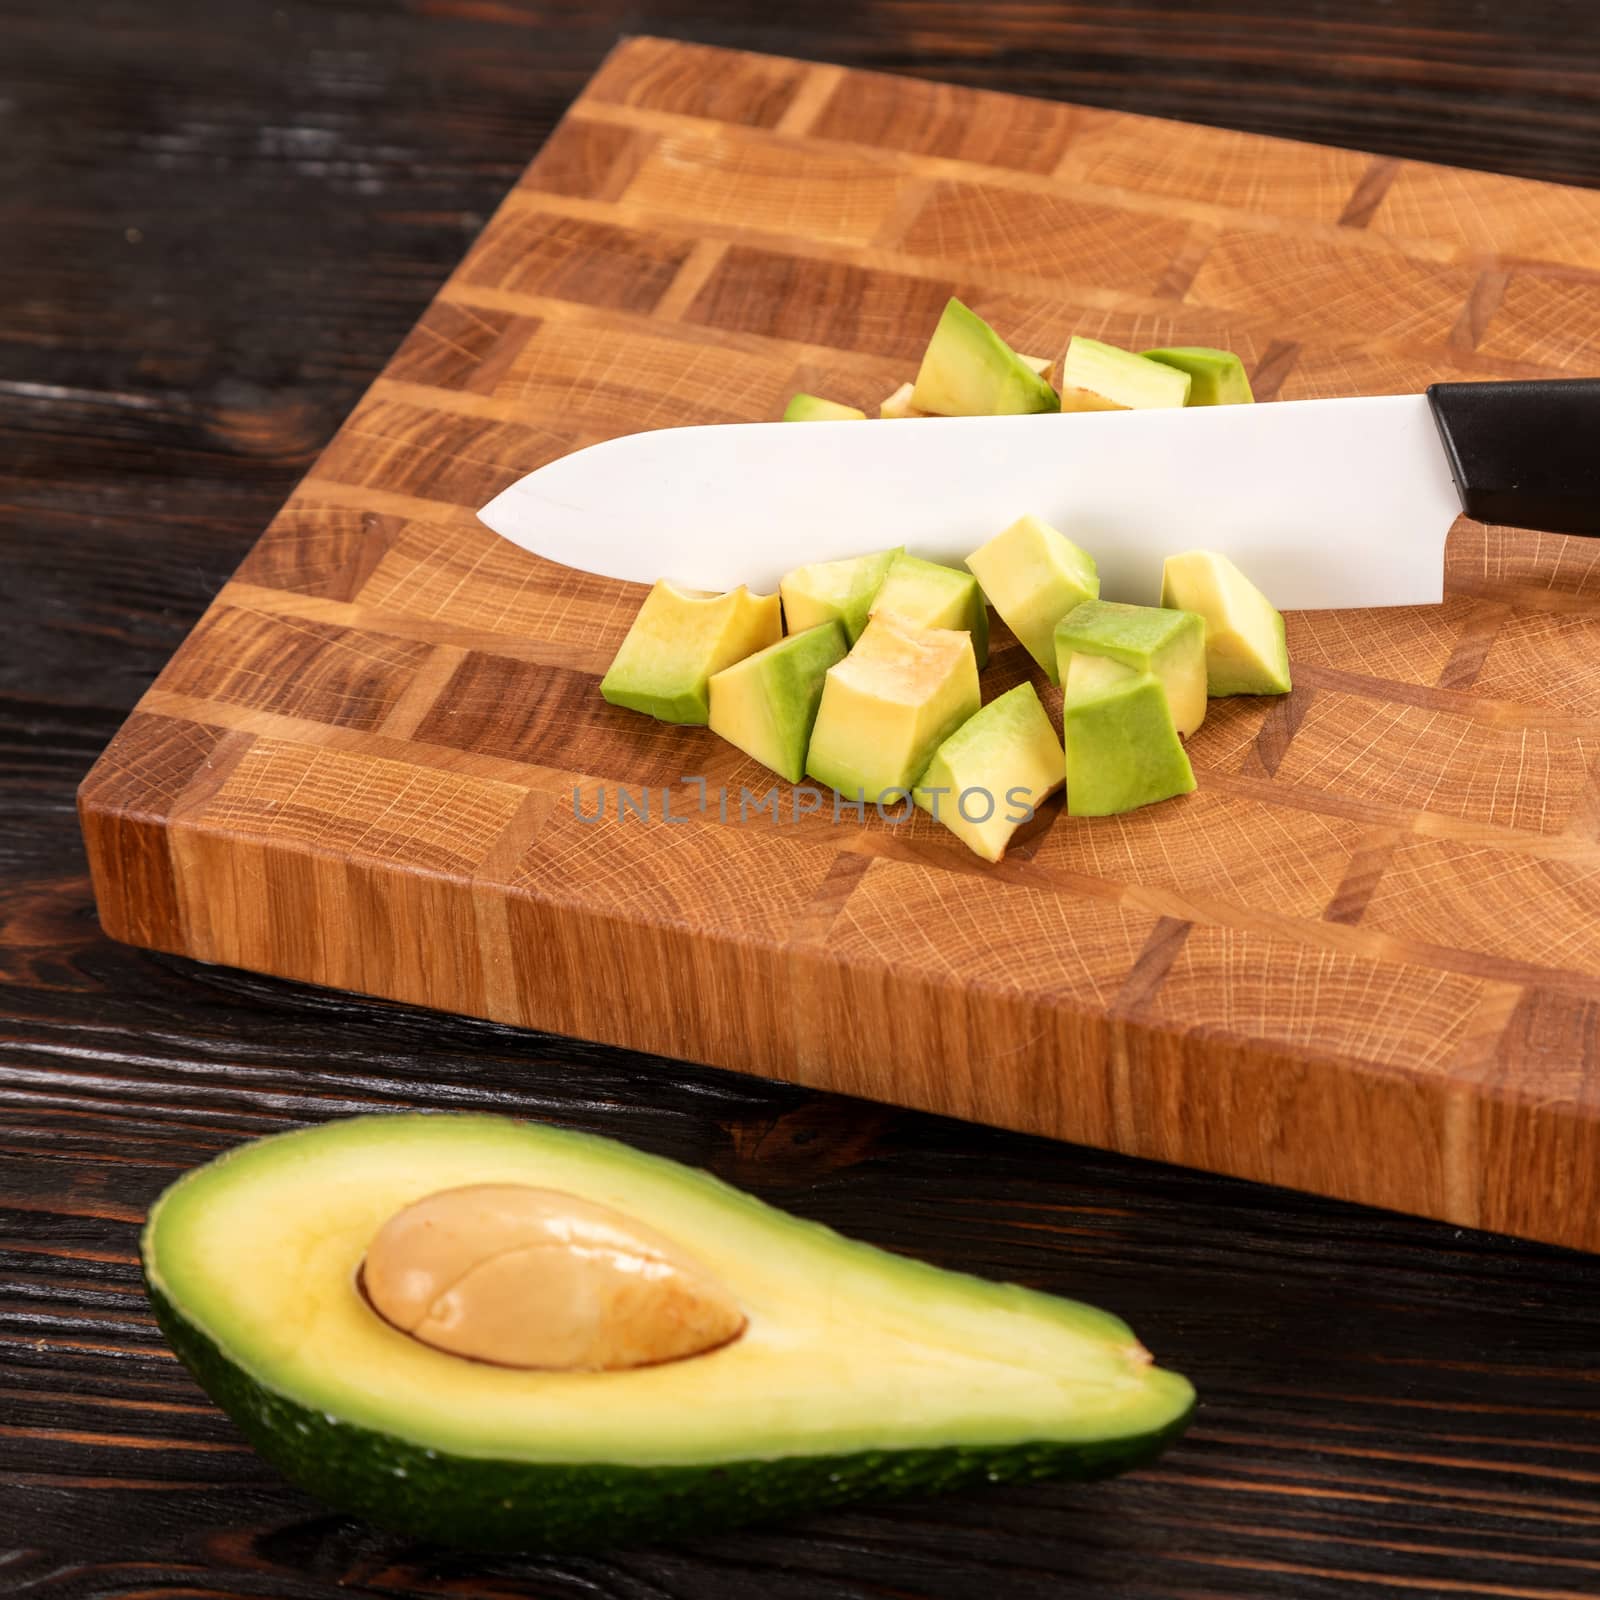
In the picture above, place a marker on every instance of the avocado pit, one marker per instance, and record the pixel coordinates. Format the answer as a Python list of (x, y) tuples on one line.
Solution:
[(536, 1278)]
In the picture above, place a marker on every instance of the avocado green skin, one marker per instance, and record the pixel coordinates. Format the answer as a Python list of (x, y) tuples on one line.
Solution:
[(495, 1505)]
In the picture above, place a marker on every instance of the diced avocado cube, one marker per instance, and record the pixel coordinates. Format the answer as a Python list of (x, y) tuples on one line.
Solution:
[(1171, 645), (812, 408), (1216, 377), (994, 772), (1100, 377), (930, 596), (1034, 576), (968, 370), (898, 695), (1247, 651), (899, 404), (678, 640), (767, 703), (1122, 750), (829, 590)]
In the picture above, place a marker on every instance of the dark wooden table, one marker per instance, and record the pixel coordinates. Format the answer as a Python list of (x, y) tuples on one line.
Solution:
[(216, 219)]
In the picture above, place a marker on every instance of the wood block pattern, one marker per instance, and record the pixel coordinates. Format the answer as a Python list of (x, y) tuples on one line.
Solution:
[(1362, 958), (1272, 177)]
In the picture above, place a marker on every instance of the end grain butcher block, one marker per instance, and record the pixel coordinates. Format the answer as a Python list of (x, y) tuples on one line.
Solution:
[(1364, 959)]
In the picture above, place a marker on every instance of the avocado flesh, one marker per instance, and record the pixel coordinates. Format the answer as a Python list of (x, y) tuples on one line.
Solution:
[(812, 408), (1033, 576), (899, 694), (829, 591), (767, 703), (968, 370), (859, 1373), (996, 769), (1216, 377), (1171, 645), (1100, 377), (931, 596), (1247, 649), (898, 405), (678, 640), (1122, 750)]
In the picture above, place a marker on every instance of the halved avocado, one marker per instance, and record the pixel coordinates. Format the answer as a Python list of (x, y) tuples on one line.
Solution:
[(857, 1372)]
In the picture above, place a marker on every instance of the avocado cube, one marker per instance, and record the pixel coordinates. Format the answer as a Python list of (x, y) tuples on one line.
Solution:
[(767, 703), (1122, 750), (993, 772), (1216, 377), (1034, 576), (930, 596), (968, 370), (678, 640), (1171, 645), (812, 408), (829, 590), (899, 404), (1100, 377), (1247, 650), (899, 694)]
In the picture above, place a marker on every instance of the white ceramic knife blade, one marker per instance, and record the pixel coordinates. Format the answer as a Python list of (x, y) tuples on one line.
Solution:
[(1322, 502)]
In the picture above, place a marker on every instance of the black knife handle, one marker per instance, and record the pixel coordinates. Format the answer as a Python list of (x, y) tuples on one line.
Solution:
[(1525, 453)]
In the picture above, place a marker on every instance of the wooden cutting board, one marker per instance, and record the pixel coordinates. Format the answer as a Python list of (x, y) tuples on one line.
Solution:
[(1364, 959)]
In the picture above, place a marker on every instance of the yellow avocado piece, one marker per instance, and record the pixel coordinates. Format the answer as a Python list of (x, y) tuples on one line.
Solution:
[(1100, 377), (932, 596), (994, 771), (1033, 577), (766, 704), (899, 404), (968, 370), (1247, 650), (889, 705), (1216, 377), (813, 408), (834, 591), (678, 640)]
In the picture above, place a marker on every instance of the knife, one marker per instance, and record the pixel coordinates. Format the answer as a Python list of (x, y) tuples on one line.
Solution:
[(1324, 503)]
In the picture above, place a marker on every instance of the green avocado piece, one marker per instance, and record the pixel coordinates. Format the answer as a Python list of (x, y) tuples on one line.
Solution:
[(993, 772), (1122, 750), (1100, 377), (767, 703), (830, 590), (1170, 644), (1216, 377), (678, 640), (1247, 649), (859, 1373), (1034, 576), (968, 370), (930, 596), (899, 694), (812, 408)]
